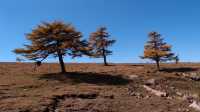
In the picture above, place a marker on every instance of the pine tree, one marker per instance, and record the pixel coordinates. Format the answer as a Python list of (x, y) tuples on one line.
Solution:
[(157, 50), (99, 42), (55, 39), (176, 58), (18, 59)]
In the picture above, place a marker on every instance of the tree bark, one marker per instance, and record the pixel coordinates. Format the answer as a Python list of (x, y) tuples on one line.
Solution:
[(158, 65), (62, 64), (104, 58)]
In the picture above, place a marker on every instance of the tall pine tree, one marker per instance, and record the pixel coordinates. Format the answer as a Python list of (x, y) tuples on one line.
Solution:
[(99, 42), (157, 50), (55, 39)]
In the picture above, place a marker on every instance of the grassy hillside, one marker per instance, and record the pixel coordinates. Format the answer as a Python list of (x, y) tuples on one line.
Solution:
[(96, 88)]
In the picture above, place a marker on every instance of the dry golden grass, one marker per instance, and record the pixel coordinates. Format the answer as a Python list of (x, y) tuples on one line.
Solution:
[(93, 88)]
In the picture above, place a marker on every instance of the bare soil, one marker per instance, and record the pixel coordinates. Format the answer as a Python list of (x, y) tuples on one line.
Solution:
[(96, 88)]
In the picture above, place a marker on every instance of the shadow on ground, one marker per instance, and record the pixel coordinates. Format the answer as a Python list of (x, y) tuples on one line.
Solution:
[(89, 78), (137, 65), (181, 69)]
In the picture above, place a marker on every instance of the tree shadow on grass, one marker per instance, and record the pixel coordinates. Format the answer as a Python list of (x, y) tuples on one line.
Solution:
[(181, 69), (89, 78)]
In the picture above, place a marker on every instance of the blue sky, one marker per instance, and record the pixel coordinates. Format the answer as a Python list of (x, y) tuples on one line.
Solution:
[(128, 21)]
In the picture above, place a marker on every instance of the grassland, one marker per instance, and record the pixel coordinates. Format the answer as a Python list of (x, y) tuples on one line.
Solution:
[(97, 88)]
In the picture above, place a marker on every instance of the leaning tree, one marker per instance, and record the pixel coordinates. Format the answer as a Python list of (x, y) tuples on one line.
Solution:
[(157, 50), (56, 39), (99, 42)]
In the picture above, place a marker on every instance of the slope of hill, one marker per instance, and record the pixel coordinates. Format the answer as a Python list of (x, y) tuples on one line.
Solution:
[(96, 88)]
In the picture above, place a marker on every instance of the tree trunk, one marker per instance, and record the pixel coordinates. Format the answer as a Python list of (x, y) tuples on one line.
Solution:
[(177, 61), (104, 58), (62, 64), (158, 65), (105, 62)]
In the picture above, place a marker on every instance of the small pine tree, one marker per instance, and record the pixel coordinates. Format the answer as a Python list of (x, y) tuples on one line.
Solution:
[(55, 39), (157, 50), (18, 59), (99, 42), (176, 58)]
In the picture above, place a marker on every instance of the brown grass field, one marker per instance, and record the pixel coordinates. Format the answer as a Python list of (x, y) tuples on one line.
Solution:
[(96, 88)]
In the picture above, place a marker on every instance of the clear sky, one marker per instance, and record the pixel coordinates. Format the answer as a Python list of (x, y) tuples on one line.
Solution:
[(128, 21)]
